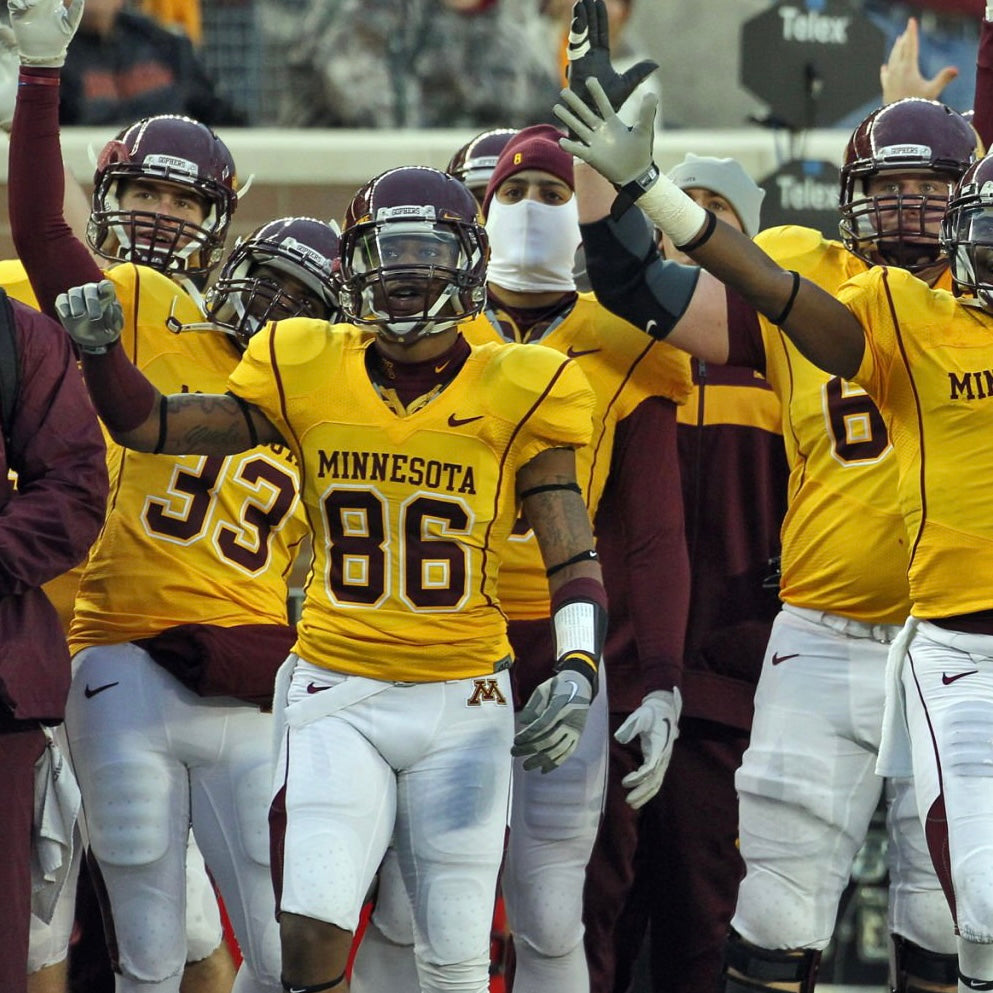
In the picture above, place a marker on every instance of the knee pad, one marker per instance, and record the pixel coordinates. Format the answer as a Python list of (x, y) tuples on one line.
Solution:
[(455, 977), (914, 969), (750, 969), (127, 814), (252, 795)]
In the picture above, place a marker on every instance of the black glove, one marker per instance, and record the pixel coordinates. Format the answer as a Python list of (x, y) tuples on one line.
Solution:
[(589, 55)]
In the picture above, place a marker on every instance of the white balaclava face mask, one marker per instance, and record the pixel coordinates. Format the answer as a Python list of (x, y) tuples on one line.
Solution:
[(533, 245)]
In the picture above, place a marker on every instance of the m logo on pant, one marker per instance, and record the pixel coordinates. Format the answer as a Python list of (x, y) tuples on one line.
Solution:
[(485, 691)]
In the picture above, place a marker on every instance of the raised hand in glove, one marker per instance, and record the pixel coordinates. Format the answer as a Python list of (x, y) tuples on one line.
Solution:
[(553, 720), (656, 724), (92, 315), (619, 153), (589, 56), (43, 29)]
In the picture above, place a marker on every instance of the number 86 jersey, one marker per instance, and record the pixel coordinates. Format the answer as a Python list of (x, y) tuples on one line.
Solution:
[(186, 539), (410, 513)]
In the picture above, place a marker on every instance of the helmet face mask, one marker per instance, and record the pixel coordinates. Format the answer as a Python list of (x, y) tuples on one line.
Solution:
[(413, 255), (172, 150), (283, 269), (911, 138), (967, 233)]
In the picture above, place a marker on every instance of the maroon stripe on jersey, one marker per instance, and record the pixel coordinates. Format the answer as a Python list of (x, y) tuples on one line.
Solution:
[(501, 476), (917, 407), (651, 343)]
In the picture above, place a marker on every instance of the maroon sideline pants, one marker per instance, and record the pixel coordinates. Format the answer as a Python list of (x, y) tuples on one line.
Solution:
[(675, 870), (19, 750)]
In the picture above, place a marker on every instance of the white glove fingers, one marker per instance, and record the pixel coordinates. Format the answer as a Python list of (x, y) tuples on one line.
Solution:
[(600, 97), (72, 15), (585, 118), (646, 113)]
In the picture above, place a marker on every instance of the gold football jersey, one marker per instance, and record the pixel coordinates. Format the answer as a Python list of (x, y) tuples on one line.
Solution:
[(187, 539), (844, 543), (411, 513), (623, 366), (929, 365)]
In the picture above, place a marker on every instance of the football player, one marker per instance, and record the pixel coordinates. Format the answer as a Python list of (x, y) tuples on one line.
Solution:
[(187, 585), (532, 225), (807, 785), (416, 451), (921, 354)]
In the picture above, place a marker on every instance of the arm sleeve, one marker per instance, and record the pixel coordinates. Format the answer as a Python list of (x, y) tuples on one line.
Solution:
[(642, 546), (57, 451), (55, 259), (629, 276), (982, 118)]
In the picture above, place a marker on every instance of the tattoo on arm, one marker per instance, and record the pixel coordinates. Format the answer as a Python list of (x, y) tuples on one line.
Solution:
[(213, 424)]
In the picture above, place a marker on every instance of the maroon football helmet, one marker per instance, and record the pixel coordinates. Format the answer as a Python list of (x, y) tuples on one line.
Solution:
[(169, 149), (967, 232), (413, 254), (474, 162), (282, 269), (909, 136)]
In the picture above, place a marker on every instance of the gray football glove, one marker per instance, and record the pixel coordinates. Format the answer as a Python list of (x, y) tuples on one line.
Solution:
[(92, 316), (43, 29), (589, 56), (553, 720), (656, 723), (619, 153)]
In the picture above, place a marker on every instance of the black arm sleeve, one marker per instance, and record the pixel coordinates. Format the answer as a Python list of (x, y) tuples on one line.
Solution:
[(631, 279)]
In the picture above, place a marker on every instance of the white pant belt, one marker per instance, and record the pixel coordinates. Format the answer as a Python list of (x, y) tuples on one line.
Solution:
[(883, 633)]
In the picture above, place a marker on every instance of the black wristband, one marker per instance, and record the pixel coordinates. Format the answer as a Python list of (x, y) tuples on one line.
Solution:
[(785, 312), (640, 184)]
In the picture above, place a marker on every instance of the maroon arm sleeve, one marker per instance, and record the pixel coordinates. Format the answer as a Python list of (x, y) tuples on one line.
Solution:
[(982, 118), (642, 546), (52, 517), (55, 259)]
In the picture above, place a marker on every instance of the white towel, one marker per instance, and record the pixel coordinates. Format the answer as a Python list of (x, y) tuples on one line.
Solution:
[(894, 759), (56, 809)]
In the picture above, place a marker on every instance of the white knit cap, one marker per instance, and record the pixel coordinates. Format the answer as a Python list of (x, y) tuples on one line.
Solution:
[(727, 178)]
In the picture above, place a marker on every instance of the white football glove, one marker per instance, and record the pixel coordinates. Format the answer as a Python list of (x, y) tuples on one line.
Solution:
[(92, 316), (619, 153), (10, 61), (656, 723), (43, 29), (553, 720)]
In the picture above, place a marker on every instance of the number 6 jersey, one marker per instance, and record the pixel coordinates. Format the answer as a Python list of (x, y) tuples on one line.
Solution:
[(410, 513), (845, 546), (214, 538)]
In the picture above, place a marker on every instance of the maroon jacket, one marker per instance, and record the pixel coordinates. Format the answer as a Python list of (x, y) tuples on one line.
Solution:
[(49, 521)]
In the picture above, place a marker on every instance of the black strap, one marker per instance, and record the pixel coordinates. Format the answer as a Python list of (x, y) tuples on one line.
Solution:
[(9, 367)]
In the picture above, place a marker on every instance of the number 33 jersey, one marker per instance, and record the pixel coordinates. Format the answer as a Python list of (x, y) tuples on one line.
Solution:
[(410, 513), (187, 539)]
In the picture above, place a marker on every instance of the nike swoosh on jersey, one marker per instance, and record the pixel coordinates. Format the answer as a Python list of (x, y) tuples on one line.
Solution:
[(441, 368), (948, 680), (457, 422), (777, 658), (314, 688), (575, 353), (87, 692)]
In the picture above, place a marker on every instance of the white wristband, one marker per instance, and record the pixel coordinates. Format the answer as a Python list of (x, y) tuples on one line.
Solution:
[(989, 12), (672, 211)]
